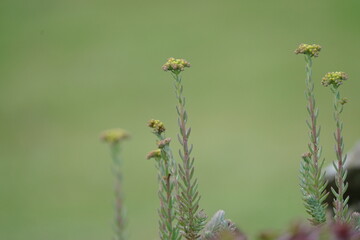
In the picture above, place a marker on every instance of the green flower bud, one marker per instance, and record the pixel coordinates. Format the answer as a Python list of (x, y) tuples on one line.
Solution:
[(344, 101), (163, 143), (156, 154)]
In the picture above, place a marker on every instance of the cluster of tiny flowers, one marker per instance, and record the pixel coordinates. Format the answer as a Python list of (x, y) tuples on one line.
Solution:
[(312, 50), (175, 65), (334, 78), (157, 126), (114, 135), (154, 154)]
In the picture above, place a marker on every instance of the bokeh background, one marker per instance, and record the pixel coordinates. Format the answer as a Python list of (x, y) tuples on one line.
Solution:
[(69, 69)]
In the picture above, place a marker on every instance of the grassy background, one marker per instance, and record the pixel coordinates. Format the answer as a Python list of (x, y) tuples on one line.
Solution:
[(69, 69)]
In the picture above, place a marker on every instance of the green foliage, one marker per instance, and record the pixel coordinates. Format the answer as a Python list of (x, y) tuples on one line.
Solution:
[(315, 209), (216, 225)]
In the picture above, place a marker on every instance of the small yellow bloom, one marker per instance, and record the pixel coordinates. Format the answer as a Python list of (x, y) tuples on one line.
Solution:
[(312, 50), (157, 126), (334, 78), (175, 65), (154, 154), (114, 135)]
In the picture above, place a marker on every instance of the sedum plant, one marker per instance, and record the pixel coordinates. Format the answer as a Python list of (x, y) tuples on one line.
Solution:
[(167, 178), (312, 177), (114, 138), (190, 218), (180, 216), (334, 80)]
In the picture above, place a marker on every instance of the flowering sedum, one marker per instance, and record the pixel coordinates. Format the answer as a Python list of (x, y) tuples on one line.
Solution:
[(312, 50), (334, 78), (114, 135), (175, 65)]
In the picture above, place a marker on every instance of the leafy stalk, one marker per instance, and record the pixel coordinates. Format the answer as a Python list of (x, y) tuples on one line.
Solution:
[(190, 221), (312, 178), (119, 221), (167, 177), (334, 80), (340, 202), (114, 137)]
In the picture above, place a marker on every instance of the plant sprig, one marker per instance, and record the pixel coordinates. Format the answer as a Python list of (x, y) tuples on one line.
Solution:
[(191, 219), (167, 177), (312, 178), (334, 80), (114, 137)]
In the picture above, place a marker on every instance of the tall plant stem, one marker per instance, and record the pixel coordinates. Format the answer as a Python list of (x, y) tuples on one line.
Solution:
[(119, 227), (313, 114), (340, 204), (314, 181), (188, 196)]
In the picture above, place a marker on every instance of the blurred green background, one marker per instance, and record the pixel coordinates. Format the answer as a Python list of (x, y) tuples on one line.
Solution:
[(72, 68)]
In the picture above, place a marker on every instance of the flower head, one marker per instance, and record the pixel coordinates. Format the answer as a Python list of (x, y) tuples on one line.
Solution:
[(175, 65), (334, 78), (164, 142), (312, 50), (154, 154), (157, 126), (114, 135), (343, 101), (306, 155)]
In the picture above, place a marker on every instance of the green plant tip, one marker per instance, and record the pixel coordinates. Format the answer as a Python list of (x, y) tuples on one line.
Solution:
[(312, 50), (334, 78)]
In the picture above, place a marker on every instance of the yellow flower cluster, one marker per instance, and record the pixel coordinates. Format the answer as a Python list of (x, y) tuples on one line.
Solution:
[(175, 65), (334, 78), (154, 154), (312, 50), (114, 135), (157, 125)]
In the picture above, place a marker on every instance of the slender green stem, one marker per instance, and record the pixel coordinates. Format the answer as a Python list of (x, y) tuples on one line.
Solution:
[(313, 183), (188, 196), (119, 227), (340, 204), (313, 114)]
